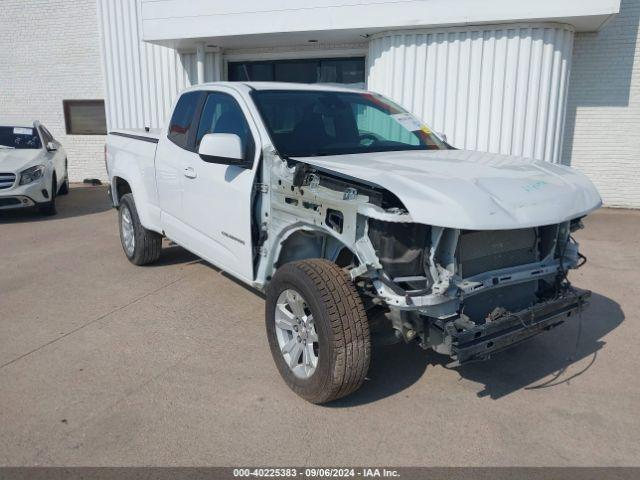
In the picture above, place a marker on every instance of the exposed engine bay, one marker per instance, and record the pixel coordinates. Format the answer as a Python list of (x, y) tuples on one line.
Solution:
[(464, 293)]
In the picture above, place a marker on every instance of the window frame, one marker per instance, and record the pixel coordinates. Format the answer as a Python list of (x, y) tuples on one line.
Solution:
[(66, 106), (47, 132), (44, 134)]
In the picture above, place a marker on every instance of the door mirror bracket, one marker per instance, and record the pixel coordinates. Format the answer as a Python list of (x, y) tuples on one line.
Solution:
[(51, 147)]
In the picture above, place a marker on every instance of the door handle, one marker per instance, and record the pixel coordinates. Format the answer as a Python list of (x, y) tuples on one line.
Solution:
[(189, 172)]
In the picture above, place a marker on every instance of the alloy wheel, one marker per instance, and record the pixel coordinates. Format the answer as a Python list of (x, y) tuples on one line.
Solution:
[(296, 333)]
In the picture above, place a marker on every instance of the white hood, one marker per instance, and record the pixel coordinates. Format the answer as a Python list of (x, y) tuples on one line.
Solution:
[(16, 160), (472, 190)]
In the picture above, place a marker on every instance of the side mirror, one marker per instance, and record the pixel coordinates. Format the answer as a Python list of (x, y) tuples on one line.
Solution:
[(224, 148), (51, 147)]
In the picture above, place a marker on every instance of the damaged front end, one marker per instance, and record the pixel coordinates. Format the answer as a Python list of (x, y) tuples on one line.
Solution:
[(469, 294), (463, 293)]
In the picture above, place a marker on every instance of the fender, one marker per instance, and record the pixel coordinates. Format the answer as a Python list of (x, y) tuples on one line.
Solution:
[(126, 165)]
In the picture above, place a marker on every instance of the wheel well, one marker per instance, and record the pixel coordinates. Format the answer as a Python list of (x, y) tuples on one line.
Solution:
[(121, 187), (305, 244)]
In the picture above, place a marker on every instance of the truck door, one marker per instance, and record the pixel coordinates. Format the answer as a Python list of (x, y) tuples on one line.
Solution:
[(173, 154), (216, 199)]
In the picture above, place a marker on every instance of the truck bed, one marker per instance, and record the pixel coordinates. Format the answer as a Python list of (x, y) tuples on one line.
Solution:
[(130, 155)]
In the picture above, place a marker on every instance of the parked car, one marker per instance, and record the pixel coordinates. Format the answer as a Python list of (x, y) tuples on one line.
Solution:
[(33, 167), (356, 220)]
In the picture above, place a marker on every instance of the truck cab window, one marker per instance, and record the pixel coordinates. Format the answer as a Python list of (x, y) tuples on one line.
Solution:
[(182, 121), (222, 114)]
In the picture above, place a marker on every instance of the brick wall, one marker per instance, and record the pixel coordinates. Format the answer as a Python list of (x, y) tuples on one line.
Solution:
[(602, 133), (50, 51)]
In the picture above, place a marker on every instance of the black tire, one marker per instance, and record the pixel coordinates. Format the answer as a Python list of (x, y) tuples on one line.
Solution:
[(148, 244), (64, 189), (344, 346), (49, 208)]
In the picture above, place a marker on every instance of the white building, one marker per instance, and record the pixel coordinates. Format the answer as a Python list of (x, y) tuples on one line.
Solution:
[(553, 80)]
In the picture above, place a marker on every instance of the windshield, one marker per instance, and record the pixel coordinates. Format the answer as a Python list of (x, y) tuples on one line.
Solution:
[(19, 137), (314, 123)]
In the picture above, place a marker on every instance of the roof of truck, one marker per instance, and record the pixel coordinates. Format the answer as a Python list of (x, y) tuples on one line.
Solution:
[(300, 86), (323, 87)]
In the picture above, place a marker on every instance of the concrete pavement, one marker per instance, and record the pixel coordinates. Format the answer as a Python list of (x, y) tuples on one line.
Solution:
[(104, 363)]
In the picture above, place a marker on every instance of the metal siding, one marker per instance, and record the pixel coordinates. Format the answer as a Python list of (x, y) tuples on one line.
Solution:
[(141, 79), (212, 69), (499, 89)]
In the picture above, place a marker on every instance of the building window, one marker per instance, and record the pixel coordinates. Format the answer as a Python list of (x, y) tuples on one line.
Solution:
[(304, 70), (85, 117)]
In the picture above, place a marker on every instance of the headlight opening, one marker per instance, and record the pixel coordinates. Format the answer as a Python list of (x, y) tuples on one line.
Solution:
[(32, 174)]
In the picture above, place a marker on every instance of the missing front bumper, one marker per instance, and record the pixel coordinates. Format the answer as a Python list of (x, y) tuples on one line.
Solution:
[(479, 342)]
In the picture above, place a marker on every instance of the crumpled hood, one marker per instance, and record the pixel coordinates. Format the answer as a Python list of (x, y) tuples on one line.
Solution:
[(472, 190), (18, 159)]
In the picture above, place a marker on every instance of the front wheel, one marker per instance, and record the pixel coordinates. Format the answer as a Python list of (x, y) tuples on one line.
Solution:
[(64, 189), (49, 208), (318, 330), (141, 246)]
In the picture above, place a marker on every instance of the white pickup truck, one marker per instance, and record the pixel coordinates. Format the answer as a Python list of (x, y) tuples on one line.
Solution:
[(357, 221)]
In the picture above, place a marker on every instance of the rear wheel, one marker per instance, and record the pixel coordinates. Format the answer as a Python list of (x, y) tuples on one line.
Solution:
[(141, 246), (317, 329)]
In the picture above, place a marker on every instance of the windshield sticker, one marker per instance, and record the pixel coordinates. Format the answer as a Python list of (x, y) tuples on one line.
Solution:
[(408, 121), (22, 131)]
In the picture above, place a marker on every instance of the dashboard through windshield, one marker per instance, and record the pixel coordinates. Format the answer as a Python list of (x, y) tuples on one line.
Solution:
[(305, 123)]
